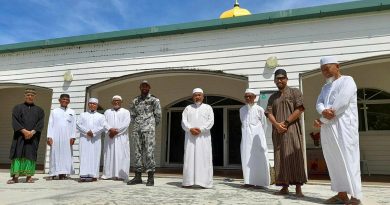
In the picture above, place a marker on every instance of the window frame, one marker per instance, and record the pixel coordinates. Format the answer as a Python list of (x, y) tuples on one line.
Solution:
[(367, 102)]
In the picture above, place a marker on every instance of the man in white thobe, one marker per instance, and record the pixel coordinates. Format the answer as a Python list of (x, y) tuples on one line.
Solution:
[(116, 142), (61, 135), (197, 121), (254, 151), (337, 104), (91, 125)]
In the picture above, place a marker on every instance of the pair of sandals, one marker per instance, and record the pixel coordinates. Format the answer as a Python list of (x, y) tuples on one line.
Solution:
[(14, 181), (337, 200), (60, 177), (286, 192)]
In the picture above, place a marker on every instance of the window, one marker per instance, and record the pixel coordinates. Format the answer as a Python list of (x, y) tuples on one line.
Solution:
[(374, 109)]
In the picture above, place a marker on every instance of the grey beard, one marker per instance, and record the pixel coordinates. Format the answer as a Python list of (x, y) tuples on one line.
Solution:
[(330, 79)]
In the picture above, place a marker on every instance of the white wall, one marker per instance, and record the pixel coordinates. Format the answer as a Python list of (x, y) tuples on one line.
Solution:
[(241, 51)]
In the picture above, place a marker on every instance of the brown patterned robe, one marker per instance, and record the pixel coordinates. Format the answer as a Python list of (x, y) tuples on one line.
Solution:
[(288, 147)]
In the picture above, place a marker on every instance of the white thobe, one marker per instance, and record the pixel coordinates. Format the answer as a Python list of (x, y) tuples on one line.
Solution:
[(117, 149), (340, 135), (90, 148), (61, 128), (254, 151), (198, 158)]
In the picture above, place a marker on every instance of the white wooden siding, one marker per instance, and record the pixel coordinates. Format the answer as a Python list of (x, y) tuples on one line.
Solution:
[(375, 151), (242, 51)]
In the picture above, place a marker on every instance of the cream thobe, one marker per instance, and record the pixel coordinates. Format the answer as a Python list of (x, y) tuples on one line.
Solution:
[(198, 165), (61, 128), (254, 151), (340, 135), (117, 149), (90, 148)]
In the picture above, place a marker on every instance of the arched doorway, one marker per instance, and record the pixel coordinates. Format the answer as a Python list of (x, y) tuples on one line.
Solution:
[(171, 87), (226, 132), (11, 95)]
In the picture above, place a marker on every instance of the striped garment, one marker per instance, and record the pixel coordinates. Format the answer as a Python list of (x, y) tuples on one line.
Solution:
[(288, 147)]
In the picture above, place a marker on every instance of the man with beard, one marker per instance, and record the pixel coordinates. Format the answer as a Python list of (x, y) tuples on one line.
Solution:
[(197, 121), (283, 110), (337, 105), (254, 151), (116, 142), (91, 125)]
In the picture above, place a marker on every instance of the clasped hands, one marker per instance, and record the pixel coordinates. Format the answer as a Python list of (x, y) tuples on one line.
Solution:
[(112, 132), (328, 114), (195, 131), (28, 134), (281, 127)]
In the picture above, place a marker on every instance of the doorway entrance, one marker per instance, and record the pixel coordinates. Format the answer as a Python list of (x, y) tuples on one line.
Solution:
[(225, 134)]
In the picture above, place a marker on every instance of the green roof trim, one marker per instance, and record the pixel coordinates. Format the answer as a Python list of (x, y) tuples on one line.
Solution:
[(254, 19)]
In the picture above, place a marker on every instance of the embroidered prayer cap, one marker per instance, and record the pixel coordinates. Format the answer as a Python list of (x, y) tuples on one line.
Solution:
[(93, 100), (197, 90), (328, 60), (117, 97), (145, 82), (251, 91), (280, 73), (30, 91)]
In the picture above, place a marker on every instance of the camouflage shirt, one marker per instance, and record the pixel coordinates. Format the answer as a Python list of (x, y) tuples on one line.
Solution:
[(145, 112)]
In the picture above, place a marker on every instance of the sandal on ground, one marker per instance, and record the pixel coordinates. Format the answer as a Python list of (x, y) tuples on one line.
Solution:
[(354, 201), (12, 181), (246, 186), (282, 192), (335, 200)]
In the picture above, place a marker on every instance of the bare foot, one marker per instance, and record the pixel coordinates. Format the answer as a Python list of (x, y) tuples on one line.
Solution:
[(298, 192), (29, 179)]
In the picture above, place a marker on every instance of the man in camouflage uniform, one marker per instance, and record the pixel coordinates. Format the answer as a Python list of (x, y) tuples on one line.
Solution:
[(145, 112)]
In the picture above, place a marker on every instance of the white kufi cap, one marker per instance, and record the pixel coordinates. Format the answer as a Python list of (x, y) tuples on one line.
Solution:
[(117, 97), (93, 100), (328, 60), (197, 90), (250, 91)]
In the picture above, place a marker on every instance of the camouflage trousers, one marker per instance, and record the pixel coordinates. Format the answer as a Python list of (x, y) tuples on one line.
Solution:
[(144, 143)]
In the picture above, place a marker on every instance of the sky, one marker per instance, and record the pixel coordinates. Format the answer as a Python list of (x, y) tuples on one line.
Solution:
[(30, 20)]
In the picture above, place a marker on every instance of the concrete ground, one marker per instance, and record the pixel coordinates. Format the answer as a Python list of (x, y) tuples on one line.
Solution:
[(167, 190)]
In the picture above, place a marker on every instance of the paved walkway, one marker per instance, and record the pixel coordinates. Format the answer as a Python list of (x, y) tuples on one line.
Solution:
[(167, 190)]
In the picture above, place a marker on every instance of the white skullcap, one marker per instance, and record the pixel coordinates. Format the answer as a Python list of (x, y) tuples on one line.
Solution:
[(328, 60), (117, 97), (145, 82), (197, 90), (251, 91), (93, 100)]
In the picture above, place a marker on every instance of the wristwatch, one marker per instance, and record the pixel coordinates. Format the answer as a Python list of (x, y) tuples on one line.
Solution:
[(286, 122)]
